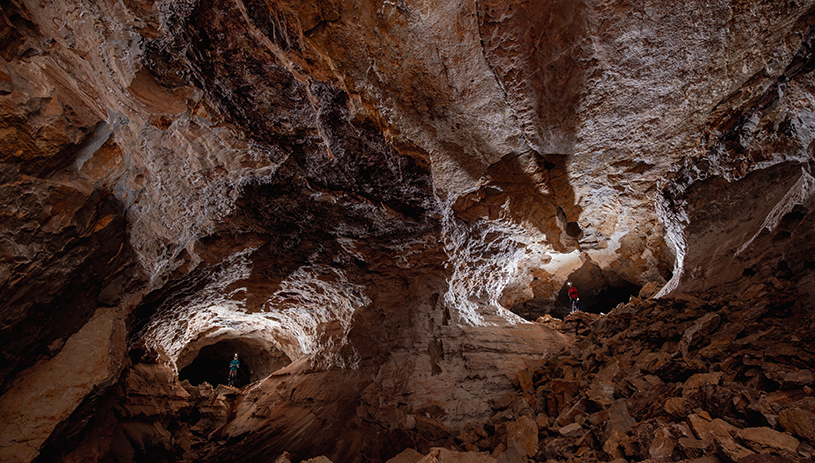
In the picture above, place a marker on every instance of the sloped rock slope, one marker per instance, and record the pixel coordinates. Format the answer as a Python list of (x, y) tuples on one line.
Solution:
[(369, 202), (674, 379)]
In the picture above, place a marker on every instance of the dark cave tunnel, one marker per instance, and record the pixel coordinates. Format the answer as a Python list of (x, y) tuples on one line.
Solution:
[(599, 292), (595, 299), (211, 364)]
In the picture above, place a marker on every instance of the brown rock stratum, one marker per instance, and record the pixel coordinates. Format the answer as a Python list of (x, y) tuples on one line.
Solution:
[(372, 202)]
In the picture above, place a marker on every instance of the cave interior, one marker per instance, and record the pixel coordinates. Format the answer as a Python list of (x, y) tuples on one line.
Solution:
[(379, 207)]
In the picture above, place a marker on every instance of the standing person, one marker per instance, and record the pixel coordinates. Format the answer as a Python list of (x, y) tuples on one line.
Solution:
[(573, 297), (233, 370)]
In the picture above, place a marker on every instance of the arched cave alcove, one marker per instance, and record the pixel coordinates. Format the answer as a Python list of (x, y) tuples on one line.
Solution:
[(596, 299), (598, 291), (211, 363)]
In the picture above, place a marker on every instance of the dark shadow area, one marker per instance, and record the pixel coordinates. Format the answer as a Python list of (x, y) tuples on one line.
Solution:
[(52, 296), (211, 364), (598, 300), (593, 299), (599, 291), (534, 308)]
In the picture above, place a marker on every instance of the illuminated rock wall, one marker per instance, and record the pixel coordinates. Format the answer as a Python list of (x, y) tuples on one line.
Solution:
[(378, 196)]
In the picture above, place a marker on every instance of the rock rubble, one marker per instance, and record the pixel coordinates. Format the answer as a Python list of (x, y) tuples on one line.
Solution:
[(375, 191), (674, 379)]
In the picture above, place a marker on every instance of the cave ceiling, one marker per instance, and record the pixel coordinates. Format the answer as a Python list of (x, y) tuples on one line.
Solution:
[(331, 185)]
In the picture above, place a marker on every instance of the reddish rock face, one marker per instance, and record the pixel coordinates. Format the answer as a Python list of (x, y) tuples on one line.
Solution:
[(370, 202)]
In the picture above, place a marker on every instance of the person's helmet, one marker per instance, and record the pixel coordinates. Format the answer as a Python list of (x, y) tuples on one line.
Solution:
[(569, 283)]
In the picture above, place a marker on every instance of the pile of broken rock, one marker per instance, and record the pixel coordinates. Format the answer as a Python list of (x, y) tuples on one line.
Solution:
[(679, 379), (674, 379)]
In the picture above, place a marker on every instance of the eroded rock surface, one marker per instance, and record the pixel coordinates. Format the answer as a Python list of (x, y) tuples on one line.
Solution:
[(371, 201)]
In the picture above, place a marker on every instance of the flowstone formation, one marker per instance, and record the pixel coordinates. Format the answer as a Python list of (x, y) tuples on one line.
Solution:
[(378, 206)]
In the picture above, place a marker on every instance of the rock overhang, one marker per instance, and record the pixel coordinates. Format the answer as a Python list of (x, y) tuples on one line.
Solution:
[(319, 179)]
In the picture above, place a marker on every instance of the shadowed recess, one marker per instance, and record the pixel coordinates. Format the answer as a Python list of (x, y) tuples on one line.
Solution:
[(599, 291), (211, 365)]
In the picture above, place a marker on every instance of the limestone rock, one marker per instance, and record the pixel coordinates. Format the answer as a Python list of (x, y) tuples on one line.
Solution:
[(710, 430), (408, 455), (571, 430), (662, 446), (700, 379), (365, 199), (675, 406), (765, 458), (800, 422), (612, 444), (91, 358), (320, 459), (649, 290), (732, 450), (764, 439), (601, 393), (152, 392), (659, 420), (694, 448), (523, 432), (442, 455)]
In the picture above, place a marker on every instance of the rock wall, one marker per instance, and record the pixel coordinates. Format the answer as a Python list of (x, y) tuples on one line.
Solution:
[(361, 198)]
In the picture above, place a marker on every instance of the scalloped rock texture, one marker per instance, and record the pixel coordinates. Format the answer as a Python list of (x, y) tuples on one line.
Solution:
[(369, 202)]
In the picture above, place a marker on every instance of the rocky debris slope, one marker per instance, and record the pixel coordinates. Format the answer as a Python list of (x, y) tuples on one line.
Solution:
[(361, 188), (675, 379)]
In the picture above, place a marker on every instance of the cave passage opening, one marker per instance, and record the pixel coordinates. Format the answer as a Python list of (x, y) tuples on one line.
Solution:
[(595, 299), (599, 290), (211, 364)]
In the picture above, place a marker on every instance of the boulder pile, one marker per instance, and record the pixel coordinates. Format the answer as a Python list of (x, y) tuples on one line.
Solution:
[(691, 377), (673, 379)]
